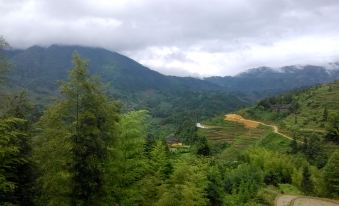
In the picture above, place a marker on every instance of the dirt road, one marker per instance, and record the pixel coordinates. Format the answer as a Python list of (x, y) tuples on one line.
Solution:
[(295, 200)]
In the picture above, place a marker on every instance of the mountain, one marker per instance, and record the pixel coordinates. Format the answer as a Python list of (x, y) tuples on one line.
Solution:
[(37, 65), (265, 81), (38, 70)]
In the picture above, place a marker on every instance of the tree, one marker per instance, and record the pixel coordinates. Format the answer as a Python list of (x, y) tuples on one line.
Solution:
[(187, 131), (18, 106), (202, 146), (306, 183), (214, 187), (16, 172), (127, 164), (313, 151), (294, 146), (331, 175), (76, 133), (333, 129), (325, 114), (187, 185), (4, 65)]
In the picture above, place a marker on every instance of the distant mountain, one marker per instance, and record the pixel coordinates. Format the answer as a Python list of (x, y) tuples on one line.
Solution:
[(265, 81), (37, 65), (38, 70)]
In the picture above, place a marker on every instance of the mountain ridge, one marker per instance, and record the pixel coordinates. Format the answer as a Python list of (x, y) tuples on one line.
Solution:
[(38, 70)]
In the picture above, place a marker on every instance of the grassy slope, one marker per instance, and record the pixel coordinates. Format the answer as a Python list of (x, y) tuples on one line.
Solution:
[(312, 103), (310, 114), (308, 122), (240, 138)]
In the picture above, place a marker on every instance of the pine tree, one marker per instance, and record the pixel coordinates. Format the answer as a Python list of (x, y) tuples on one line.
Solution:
[(306, 183), (4, 65), (331, 175), (76, 133), (325, 114), (127, 164), (16, 174), (294, 146), (18, 106), (333, 129)]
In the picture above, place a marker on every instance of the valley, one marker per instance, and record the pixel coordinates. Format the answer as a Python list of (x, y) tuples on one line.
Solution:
[(169, 103), (152, 139)]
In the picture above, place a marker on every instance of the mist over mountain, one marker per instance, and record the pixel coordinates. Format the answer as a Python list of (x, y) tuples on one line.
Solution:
[(39, 69), (269, 81)]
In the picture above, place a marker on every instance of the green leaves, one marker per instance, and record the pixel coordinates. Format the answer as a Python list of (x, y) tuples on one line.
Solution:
[(75, 135), (331, 175), (4, 65), (15, 162), (333, 129)]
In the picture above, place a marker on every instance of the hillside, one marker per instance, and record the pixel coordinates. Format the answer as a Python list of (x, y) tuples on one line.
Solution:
[(264, 81), (226, 161), (296, 172), (303, 112), (39, 69), (38, 65)]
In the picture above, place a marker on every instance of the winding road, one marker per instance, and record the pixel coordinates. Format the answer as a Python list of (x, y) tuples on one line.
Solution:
[(299, 200), (240, 119)]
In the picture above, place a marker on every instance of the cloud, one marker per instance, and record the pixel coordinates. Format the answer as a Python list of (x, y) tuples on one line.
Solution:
[(187, 37)]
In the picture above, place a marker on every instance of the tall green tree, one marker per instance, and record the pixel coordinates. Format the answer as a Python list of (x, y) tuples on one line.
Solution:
[(76, 133), (333, 129), (306, 183), (18, 105), (331, 175), (16, 174), (294, 146), (4, 65), (187, 184), (127, 163), (325, 114)]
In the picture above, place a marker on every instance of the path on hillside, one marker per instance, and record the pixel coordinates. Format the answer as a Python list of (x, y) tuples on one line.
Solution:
[(299, 200), (240, 119), (204, 126)]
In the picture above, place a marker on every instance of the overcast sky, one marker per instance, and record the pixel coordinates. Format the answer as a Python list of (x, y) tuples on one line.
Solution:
[(183, 37)]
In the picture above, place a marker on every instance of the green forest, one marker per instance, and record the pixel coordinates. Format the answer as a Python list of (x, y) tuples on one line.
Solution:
[(85, 148)]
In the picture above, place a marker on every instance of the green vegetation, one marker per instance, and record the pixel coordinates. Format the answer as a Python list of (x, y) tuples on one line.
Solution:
[(309, 115), (169, 99), (331, 175), (86, 149)]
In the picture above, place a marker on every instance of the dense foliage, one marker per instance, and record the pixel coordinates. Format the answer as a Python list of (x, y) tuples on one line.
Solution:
[(84, 150)]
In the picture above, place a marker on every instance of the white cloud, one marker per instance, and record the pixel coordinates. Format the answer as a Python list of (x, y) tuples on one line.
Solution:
[(187, 37)]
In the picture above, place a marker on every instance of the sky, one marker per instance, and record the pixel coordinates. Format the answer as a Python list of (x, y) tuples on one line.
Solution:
[(183, 37)]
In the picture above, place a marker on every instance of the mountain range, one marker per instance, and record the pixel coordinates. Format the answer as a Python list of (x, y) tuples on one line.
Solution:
[(38, 70)]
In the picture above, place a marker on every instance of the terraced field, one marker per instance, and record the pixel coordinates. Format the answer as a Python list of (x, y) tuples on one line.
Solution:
[(233, 133)]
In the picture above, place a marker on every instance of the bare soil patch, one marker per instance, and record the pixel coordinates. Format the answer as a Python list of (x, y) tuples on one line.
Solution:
[(237, 118)]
